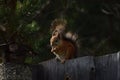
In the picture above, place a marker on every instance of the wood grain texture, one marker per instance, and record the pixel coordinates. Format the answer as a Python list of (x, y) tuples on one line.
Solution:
[(108, 67), (75, 69), (105, 67)]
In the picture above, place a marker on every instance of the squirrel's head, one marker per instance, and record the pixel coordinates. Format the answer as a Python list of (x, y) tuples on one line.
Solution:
[(59, 25), (54, 39)]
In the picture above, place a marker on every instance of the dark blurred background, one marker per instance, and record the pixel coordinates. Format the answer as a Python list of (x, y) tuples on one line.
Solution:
[(27, 24)]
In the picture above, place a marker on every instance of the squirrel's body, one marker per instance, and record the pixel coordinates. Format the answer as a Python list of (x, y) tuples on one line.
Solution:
[(63, 45), (64, 50)]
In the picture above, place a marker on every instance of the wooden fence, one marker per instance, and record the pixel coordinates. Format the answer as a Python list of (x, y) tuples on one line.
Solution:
[(84, 68)]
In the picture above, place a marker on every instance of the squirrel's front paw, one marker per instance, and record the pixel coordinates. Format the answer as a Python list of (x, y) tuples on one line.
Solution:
[(63, 61), (56, 59), (53, 49)]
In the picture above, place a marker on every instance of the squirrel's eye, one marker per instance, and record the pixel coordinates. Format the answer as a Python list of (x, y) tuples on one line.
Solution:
[(57, 40)]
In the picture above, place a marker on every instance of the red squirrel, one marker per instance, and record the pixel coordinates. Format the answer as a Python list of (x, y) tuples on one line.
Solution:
[(63, 44)]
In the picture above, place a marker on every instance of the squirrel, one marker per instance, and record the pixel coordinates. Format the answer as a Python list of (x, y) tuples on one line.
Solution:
[(63, 43)]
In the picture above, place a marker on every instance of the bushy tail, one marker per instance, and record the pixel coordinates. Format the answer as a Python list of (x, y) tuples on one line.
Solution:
[(73, 37)]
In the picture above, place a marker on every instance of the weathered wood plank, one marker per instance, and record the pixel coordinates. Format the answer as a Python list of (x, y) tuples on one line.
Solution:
[(37, 72), (108, 67), (105, 67), (75, 69)]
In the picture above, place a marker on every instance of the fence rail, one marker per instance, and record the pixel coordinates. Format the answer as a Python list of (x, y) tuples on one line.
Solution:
[(84, 68), (105, 67)]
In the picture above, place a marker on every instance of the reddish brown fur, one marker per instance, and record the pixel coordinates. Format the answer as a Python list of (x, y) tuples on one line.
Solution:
[(64, 47)]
